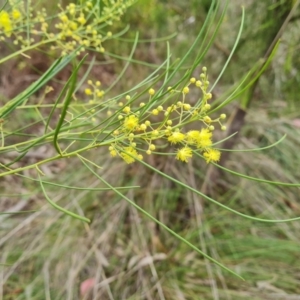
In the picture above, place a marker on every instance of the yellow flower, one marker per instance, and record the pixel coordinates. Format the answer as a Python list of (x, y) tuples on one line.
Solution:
[(130, 155), (151, 92), (184, 154), (88, 91), (193, 137), (204, 139), (113, 153), (176, 137), (204, 143), (131, 122), (81, 19), (16, 14), (186, 90), (200, 138), (5, 23), (73, 25), (212, 155)]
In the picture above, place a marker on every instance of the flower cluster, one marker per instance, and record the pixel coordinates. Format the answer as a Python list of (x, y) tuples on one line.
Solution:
[(95, 90), (76, 27), (139, 131), (8, 21)]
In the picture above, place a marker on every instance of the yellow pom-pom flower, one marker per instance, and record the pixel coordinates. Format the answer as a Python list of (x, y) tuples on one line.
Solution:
[(200, 138), (184, 154), (212, 155), (131, 122), (130, 154), (5, 23), (176, 137), (193, 137)]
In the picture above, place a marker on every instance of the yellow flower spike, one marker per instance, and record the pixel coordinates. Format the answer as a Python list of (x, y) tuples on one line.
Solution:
[(212, 155), (184, 154), (176, 137), (193, 80)]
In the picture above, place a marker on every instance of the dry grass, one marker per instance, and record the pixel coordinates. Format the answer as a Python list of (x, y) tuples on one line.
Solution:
[(130, 258)]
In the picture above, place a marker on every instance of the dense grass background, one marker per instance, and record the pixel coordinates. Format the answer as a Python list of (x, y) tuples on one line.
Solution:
[(49, 255)]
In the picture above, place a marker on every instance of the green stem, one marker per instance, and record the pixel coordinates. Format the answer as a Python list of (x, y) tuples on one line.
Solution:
[(21, 51)]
